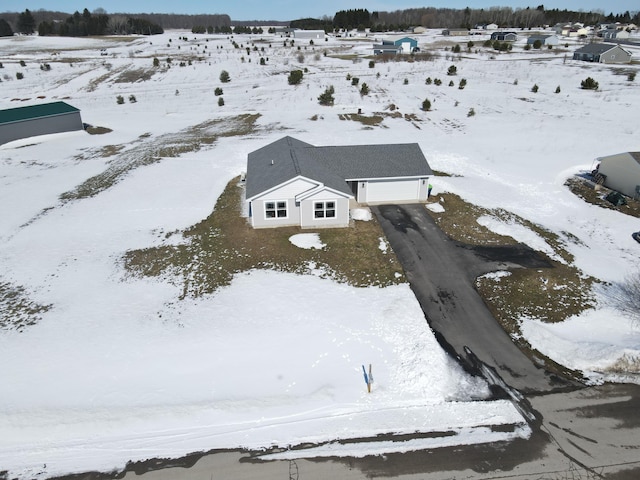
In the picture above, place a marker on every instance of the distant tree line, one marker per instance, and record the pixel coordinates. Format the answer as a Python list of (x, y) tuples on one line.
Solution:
[(502, 16), (429, 17), (99, 23), (47, 22)]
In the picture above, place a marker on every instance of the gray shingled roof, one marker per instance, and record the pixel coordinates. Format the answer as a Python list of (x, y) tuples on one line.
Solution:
[(288, 157), (19, 114), (596, 48)]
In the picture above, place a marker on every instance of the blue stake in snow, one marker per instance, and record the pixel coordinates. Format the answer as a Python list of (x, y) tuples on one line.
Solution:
[(368, 379)]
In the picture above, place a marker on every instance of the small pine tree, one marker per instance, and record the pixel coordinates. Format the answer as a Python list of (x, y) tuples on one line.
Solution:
[(558, 89), (119, 99), (355, 81), (534, 89), (451, 84), (426, 105), (372, 64), (471, 112), (262, 61), (326, 98), (515, 82), (453, 70), (19, 75), (224, 76), (295, 77), (217, 92), (156, 62), (429, 81), (462, 84), (348, 77), (132, 99), (221, 102), (631, 76), (364, 89), (527, 47), (589, 84), (437, 81), (406, 81), (23, 63), (456, 48), (537, 44)]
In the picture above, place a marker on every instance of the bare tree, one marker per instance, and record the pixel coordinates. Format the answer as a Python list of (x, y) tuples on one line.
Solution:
[(624, 296)]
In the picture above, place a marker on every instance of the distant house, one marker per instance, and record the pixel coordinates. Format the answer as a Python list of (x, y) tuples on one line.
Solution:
[(455, 32), (309, 34), (402, 45), (576, 31), (293, 183), (544, 39), (418, 30), (613, 33), (407, 44), (602, 53), (491, 26), (561, 28), (504, 36), (386, 47), (621, 172), (43, 119)]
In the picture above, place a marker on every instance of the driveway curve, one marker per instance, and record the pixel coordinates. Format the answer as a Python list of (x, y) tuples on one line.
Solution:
[(442, 274)]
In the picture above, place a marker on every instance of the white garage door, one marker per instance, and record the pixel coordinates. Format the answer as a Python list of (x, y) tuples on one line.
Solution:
[(389, 191)]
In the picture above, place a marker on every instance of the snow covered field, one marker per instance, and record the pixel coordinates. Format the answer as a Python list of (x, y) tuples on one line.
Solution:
[(120, 369)]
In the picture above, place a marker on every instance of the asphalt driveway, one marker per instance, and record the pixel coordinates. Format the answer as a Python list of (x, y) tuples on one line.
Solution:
[(442, 273)]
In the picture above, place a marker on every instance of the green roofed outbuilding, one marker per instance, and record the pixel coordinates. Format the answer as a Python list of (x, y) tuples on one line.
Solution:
[(42, 119)]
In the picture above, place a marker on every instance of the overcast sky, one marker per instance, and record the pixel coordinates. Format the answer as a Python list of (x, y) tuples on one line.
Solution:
[(294, 9)]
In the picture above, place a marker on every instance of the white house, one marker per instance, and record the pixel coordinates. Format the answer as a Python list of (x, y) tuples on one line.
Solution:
[(621, 172), (293, 183), (309, 34)]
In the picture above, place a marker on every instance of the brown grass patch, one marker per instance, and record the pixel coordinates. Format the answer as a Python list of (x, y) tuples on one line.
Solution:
[(586, 190), (152, 150), (135, 75), (225, 244), (98, 130), (369, 121), (551, 294), (17, 311)]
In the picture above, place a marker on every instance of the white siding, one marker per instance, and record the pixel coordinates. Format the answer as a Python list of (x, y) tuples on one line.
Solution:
[(622, 171), (286, 192), (308, 218)]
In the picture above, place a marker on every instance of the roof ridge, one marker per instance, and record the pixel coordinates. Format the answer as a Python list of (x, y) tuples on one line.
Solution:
[(294, 159)]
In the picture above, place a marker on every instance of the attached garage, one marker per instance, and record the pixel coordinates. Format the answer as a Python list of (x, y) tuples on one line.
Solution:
[(43, 119), (396, 191)]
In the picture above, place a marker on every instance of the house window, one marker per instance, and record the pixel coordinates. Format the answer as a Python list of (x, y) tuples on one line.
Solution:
[(275, 209), (324, 209)]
